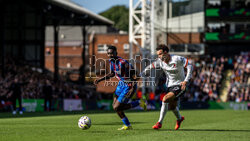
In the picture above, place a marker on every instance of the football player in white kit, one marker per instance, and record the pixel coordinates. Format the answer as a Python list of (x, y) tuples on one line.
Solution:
[(173, 66)]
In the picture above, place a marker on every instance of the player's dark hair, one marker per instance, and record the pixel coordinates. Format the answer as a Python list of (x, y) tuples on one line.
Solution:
[(163, 47), (112, 47)]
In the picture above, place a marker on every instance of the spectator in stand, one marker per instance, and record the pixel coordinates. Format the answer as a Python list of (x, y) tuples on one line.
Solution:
[(47, 92), (16, 93)]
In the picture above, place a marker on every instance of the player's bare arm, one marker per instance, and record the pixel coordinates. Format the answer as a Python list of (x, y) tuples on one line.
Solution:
[(189, 68), (108, 76)]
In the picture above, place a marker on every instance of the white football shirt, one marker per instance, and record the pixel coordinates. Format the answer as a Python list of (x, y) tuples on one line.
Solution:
[(174, 70)]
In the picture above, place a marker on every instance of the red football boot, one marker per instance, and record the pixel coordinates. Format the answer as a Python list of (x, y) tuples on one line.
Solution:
[(157, 125), (178, 123)]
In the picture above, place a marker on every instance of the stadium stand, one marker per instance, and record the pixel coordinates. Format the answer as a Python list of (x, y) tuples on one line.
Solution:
[(208, 75), (239, 81), (207, 78), (36, 79)]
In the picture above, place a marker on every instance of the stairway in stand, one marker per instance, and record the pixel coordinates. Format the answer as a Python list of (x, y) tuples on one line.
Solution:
[(225, 85)]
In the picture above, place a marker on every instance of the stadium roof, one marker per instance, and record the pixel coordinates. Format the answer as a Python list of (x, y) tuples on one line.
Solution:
[(80, 13)]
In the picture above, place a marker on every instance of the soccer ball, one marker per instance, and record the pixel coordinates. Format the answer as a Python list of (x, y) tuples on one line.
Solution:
[(84, 122)]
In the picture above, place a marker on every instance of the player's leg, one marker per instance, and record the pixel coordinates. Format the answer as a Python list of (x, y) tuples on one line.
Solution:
[(164, 108), (129, 94), (174, 106), (168, 97), (170, 102), (118, 103), (121, 114), (121, 103), (167, 103), (125, 96), (127, 125), (176, 111), (133, 104), (174, 102), (116, 107)]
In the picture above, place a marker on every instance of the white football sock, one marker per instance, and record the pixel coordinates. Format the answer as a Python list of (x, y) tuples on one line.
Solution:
[(164, 109), (177, 113)]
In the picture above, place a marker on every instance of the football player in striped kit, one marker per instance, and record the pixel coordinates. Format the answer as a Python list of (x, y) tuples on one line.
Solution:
[(124, 72), (173, 66)]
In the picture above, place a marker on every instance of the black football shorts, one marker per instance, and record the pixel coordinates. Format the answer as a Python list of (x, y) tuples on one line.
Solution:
[(178, 92)]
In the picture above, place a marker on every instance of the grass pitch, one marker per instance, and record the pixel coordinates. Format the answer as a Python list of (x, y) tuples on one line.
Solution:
[(199, 125)]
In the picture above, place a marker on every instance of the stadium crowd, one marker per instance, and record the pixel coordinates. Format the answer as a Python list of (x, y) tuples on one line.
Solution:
[(239, 80), (32, 82), (206, 79), (208, 74)]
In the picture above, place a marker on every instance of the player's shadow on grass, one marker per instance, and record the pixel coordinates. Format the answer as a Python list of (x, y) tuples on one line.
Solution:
[(207, 130), (117, 123)]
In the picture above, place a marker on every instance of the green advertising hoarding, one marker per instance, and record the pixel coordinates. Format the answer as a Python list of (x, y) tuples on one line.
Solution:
[(229, 105), (105, 104), (32, 105), (37, 105)]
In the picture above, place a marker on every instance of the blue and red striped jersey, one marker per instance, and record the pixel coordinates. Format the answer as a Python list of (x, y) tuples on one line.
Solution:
[(121, 67)]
